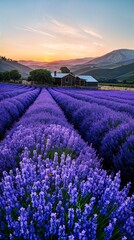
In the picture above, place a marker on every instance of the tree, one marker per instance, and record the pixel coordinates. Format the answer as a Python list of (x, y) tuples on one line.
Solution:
[(1, 76), (29, 79), (3, 58), (64, 70), (41, 76), (15, 75), (6, 76)]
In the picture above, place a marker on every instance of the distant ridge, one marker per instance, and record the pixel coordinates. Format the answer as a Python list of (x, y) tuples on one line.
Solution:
[(55, 65), (6, 65), (116, 56), (117, 64), (112, 59)]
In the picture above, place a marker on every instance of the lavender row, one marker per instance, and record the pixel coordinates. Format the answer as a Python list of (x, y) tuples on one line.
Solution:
[(121, 107), (12, 109), (6, 87), (18, 90), (121, 95), (60, 192), (44, 111), (126, 95), (109, 132), (113, 142), (103, 95)]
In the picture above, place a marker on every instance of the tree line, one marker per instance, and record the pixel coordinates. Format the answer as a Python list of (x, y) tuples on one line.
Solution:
[(10, 75), (38, 76)]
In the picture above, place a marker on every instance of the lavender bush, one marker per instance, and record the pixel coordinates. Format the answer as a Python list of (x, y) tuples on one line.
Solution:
[(63, 196)]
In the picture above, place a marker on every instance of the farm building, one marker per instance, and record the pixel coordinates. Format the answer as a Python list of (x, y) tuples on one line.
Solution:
[(90, 82), (63, 79), (70, 80), (79, 81)]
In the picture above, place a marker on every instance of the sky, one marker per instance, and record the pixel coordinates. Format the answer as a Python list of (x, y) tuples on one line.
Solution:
[(48, 30)]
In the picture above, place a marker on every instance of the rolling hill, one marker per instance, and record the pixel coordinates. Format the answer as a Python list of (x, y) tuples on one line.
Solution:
[(110, 73), (6, 65)]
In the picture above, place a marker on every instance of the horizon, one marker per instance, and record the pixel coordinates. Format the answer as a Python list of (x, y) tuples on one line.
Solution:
[(74, 58), (78, 58), (64, 30)]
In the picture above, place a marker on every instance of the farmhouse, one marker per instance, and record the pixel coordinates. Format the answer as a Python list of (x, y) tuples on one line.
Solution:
[(63, 79), (70, 80)]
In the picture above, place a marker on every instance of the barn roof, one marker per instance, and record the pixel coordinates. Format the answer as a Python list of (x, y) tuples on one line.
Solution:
[(87, 78), (59, 75)]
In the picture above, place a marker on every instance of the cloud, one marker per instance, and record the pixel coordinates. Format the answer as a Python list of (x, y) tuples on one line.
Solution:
[(92, 33), (38, 31), (98, 44), (63, 27), (61, 39), (64, 46)]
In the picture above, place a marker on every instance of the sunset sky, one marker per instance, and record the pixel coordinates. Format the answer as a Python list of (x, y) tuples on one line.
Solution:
[(47, 30)]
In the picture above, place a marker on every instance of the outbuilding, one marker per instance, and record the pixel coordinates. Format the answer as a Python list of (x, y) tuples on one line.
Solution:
[(79, 82), (90, 82)]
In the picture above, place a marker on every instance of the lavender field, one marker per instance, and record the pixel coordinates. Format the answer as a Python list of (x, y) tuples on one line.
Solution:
[(66, 164)]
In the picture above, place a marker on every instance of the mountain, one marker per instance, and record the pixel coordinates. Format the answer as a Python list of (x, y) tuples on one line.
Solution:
[(114, 57), (118, 64), (6, 65), (110, 60), (55, 65)]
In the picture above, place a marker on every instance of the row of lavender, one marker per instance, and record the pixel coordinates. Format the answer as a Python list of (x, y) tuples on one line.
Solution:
[(107, 97), (57, 188), (12, 108), (8, 90), (111, 132), (117, 95), (119, 105), (6, 87)]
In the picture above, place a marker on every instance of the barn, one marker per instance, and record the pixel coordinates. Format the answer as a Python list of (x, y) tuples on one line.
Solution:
[(88, 81), (70, 80), (63, 79), (79, 81)]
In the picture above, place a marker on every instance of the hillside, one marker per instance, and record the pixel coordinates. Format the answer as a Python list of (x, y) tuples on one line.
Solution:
[(6, 65), (122, 72), (110, 60), (118, 64)]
